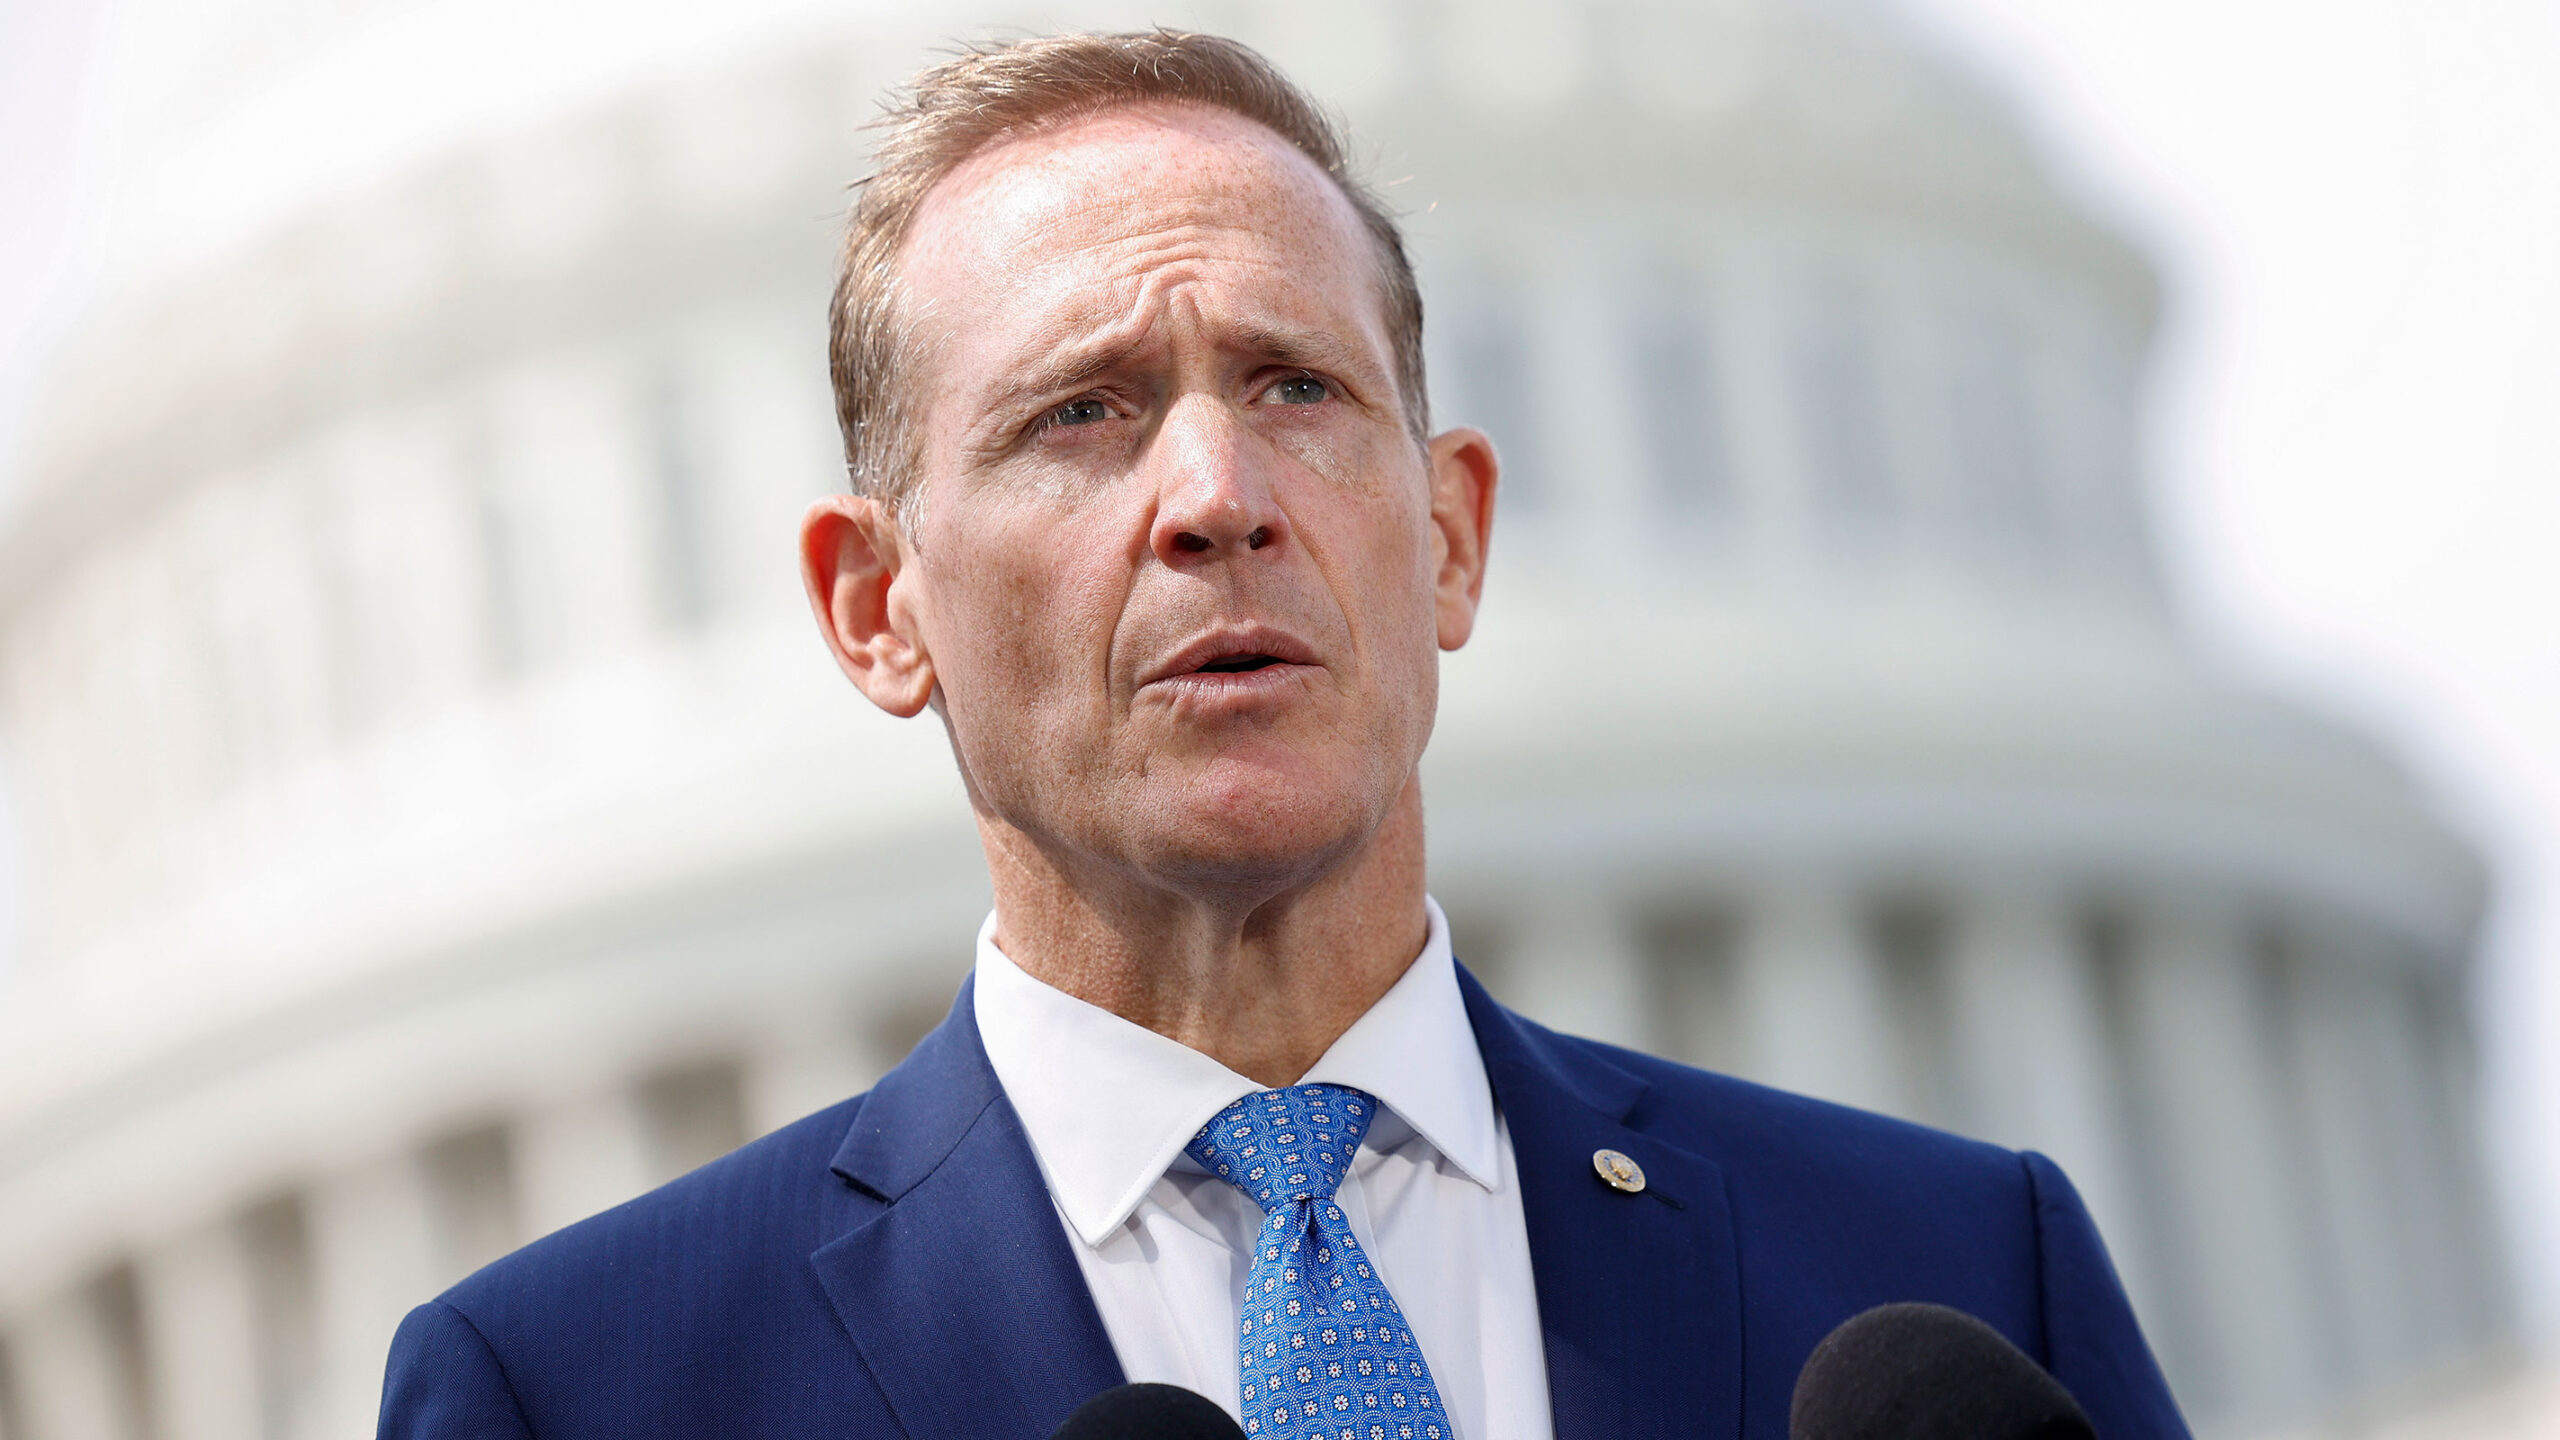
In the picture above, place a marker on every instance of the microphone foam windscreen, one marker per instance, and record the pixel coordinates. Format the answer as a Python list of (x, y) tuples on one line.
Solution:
[(1149, 1412), (1926, 1372)]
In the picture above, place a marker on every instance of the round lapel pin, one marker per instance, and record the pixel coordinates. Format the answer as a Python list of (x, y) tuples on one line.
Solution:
[(1622, 1172)]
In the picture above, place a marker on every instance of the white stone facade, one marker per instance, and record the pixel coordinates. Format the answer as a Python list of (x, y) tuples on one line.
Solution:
[(447, 825)]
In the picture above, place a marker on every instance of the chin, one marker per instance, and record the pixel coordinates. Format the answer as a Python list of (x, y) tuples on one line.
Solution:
[(1264, 831)]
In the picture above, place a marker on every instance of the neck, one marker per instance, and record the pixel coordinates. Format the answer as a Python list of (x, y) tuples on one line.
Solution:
[(1261, 983)]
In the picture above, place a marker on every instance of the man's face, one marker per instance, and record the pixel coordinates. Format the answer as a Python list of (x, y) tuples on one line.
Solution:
[(1180, 570)]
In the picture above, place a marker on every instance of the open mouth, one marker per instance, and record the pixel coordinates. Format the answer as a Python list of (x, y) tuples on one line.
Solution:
[(1238, 664), (1235, 660)]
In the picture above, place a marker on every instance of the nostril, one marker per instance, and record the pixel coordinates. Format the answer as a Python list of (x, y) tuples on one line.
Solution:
[(1260, 537), (1191, 544)]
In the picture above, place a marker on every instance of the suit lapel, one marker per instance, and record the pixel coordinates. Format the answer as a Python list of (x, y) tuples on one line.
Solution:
[(961, 1294), (1639, 1295)]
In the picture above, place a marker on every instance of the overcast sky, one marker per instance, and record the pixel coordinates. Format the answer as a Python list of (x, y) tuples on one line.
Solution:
[(44, 50), (2356, 417)]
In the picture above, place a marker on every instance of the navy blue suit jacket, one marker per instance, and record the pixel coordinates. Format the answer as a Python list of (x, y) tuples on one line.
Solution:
[(893, 1267)]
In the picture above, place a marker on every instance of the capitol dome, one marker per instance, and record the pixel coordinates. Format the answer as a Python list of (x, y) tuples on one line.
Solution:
[(447, 825)]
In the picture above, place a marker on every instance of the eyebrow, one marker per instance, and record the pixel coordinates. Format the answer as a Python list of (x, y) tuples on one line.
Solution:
[(1071, 369), (1312, 350), (1078, 365)]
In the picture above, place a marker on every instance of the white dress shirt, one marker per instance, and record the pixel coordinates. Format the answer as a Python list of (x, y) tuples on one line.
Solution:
[(1434, 1193)]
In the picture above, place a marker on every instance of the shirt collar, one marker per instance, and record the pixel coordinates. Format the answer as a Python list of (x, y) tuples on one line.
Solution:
[(1108, 1105)]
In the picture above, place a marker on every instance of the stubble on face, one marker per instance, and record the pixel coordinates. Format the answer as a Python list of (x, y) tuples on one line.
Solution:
[(1163, 420)]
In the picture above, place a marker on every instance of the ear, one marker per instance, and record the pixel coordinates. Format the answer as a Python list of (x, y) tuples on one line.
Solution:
[(1465, 472), (853, 560)]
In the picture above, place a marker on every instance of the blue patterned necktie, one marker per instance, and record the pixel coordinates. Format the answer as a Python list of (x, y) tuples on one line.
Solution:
[(1322, 1352)]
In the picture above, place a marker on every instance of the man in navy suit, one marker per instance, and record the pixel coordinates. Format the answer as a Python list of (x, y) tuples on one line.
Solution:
[(1146, 507)]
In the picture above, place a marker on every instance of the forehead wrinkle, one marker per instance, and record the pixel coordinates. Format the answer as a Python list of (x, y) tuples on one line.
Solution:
[(1035, 193), (1136, 270), (1090, 346), (1172, 263), (1175, 277), (1165, 277)]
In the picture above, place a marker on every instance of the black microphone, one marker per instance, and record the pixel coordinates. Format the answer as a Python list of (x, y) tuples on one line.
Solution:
[(1149, 1412), (1925, 1372)]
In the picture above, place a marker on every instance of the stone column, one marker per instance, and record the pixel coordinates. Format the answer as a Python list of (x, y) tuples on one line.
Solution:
[(578, 1155), (373, 1258), (2442, 1029), (1814, 1005), (1597, 468), (2428, 1223), (2031, 1041), (1769, 465), (2353, 1159), (1578, 964), (72, 1381), (2198, 1015), (200, 1325)]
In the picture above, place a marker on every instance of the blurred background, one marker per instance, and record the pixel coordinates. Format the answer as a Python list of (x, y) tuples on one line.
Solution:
[(2020, 603)]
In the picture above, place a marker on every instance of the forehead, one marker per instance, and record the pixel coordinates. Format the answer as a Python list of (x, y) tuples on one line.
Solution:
[(1085, 222)]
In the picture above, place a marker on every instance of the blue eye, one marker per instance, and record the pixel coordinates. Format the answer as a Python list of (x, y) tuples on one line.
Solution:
[(1080, 412), (1300, 390)]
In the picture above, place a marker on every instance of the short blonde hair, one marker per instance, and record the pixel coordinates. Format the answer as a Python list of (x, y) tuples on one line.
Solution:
[(956, 109)]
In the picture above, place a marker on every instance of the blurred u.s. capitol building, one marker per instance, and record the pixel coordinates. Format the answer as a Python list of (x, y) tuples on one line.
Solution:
[(446, 823)]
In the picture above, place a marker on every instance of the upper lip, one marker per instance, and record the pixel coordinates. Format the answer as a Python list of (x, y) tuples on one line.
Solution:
[(1229, 643)]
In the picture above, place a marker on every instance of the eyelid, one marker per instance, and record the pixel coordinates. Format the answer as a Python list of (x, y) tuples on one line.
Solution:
[(1332, 387), (1047, 419)]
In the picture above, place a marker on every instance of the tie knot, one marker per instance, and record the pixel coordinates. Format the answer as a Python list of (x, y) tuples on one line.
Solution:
[(1280, 1146)]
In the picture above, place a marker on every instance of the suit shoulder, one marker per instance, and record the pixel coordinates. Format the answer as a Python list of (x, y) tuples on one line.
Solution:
[(1853, 1208), (1742, 1123), (692, 1310), (776, 1194)]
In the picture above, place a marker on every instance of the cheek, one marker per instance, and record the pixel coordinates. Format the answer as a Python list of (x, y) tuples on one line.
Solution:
[(1387, 529), (1325, 453), (1376, 551), (1026, 627), (1361, 476)]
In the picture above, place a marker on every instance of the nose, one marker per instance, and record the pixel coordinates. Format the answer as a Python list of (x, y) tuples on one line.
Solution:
[(1214, 499)]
